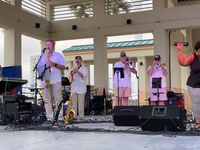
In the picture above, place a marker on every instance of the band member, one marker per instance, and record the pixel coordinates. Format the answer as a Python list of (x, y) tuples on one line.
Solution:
[(78, 75), (158, 84), (123, 84), (193, 82), (52, 88)]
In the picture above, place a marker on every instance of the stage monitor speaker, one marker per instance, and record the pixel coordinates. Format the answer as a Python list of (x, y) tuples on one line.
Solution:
[(126, 115), (163, 118)]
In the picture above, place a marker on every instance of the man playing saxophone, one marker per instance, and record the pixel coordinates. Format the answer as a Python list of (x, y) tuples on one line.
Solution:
[(52, 88), (78, 75)]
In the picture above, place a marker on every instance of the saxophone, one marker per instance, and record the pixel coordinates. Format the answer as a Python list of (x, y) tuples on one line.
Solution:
[(69, 113), (47, 82)]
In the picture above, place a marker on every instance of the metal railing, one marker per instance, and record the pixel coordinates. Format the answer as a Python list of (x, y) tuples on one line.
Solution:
[(127, 6), (36, 7), (73, 11)]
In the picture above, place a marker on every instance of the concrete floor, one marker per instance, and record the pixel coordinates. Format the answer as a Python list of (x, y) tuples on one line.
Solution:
[(129, 139)]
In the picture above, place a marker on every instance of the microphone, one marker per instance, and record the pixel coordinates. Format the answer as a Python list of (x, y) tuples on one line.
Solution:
[(44, 50), (184, 43)]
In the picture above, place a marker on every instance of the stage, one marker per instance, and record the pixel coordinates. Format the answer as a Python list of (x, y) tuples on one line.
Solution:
[(96, 132)]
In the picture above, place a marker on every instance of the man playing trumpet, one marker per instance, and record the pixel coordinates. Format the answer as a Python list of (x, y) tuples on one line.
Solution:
[(123, 83)]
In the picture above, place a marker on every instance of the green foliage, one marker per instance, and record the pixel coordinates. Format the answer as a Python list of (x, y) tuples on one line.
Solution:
[(112, 7)]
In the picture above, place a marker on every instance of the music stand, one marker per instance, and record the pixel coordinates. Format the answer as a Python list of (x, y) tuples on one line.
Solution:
[(156, 84), (118, 70)]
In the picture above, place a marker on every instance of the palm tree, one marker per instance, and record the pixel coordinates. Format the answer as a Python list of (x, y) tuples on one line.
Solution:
[(112, 7), (82, 10), (116, 6)]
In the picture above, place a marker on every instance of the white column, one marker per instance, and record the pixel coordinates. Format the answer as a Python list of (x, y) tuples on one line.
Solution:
[(17, 3), (12, 46), (99, 8), (175, 66), (48, 12), (185, 71), (142, 73), (161, 47), (100, 61), (159, 4)]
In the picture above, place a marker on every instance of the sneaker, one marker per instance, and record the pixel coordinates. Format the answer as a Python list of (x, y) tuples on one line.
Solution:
[(47, 123), (81, 118)]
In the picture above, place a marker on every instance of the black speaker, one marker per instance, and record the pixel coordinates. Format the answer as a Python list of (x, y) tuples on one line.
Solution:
[(126, 115), (163, 118), (8, 109), (74, 27), (128, 21), (37, 25), (87, 99), (97, 105)]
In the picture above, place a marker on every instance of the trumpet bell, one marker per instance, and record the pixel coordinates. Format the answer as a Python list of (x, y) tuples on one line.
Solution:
[(131, 64)]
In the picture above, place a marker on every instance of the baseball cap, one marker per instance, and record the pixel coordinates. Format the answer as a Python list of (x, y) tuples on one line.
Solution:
[(122, 54), (78, 57), (157, 57)]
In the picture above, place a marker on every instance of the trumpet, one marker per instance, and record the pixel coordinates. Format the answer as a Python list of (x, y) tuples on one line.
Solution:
[(130, 63), (157, 65)]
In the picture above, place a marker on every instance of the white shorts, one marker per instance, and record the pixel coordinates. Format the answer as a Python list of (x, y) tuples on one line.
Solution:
[(124, 92)]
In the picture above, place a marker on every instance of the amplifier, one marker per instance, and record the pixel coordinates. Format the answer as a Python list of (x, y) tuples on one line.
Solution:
[(8, 109)]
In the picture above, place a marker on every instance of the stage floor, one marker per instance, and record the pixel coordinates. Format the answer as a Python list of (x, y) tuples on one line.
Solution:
[(98, 134)]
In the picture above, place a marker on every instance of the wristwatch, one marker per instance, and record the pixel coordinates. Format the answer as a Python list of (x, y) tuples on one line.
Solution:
[(55, 64)]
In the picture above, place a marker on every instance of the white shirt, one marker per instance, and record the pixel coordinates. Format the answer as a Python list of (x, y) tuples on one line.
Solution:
[(158, 72), (78, 84), (55, 74), (123, 82)]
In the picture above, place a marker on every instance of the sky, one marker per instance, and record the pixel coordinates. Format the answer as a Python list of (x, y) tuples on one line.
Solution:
[(32, 47)]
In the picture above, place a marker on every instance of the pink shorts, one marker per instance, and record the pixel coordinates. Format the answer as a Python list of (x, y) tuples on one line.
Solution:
[(124, 92), (162, 96)]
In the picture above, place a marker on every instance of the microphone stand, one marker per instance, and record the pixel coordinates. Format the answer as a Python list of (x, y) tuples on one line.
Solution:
[(117, 87), (138, 90), (104, 103), (35, 86)]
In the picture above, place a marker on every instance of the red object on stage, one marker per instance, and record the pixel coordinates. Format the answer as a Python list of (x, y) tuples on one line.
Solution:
[(180, 102)]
